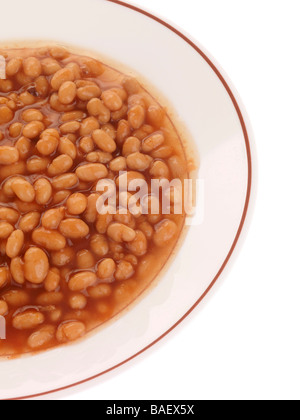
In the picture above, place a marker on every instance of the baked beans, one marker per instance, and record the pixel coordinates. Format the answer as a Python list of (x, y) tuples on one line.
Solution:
[(66, 122)]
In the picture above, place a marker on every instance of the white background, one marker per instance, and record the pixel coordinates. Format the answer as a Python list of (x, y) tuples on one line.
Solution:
[(243, 342)]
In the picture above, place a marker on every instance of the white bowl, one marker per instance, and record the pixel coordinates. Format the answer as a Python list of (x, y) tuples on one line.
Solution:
[(197, 93)]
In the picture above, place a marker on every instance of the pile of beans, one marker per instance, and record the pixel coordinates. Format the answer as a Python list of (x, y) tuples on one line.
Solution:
[(67, 121)]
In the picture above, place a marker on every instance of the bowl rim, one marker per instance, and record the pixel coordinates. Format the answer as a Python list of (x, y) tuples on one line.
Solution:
[(242, 118)]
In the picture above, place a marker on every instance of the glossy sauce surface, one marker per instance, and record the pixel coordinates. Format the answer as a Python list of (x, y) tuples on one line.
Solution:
[(67, 121)]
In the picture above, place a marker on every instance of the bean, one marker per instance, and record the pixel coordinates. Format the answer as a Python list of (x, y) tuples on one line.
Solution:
[(60, 165), (88, 92), (60, 196), (91, 213), (55, 315), (162, 152), (101, 291), (6, 229), (50, 66), (13, 66), (70, 127), (131, 85), (51, 132), (60, 77), (116, 248), (62, 257), (3, 308), (123, 131), (59, 52), (37, 164), (76, 69), (86, 144), (32, 67), (96, 108), (99, 157), (70, 331), (112, 100), (33, 129), (15, 129), (176, 166), (9, 215), (16, 298), (126, 219), (47, 145), (15, 244), (42, 86), (52, 218), (52, 280), (26, 207), (131, 145), (91, 172), (6, 114), (104, 141), (152, 142), (4, 276), (91, 67), (23, 190), (31, 115), (88, 126), (7, 187), (3, 247), (65, 181), (85, 259), (159, 170), (8, 155), (136, 116), (66, 147), (155, 115), (132, 259), (138, 161), (118, 115), (41, 337), (36, 265), (23, 145), (43, 191), (26, 98), (165, 231), (99, 245), (136, 99), (72, 116), (106, 268), (143, 132), (67, 93), (124, 271), (18, 168), (77, 301), (17, 270), (110, 130), (82, 280), (103, 221), (120, 233), (28, 320), (51, 240), (74, 228), (147, 229), (119, 164), (29, 222), (77, 203), (139, 245), (6, 85)]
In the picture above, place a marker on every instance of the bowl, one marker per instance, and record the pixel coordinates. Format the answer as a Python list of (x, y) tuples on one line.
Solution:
[(211, 120)]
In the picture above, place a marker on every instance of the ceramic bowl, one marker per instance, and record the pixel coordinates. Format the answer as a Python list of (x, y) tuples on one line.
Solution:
[(207, 112)]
